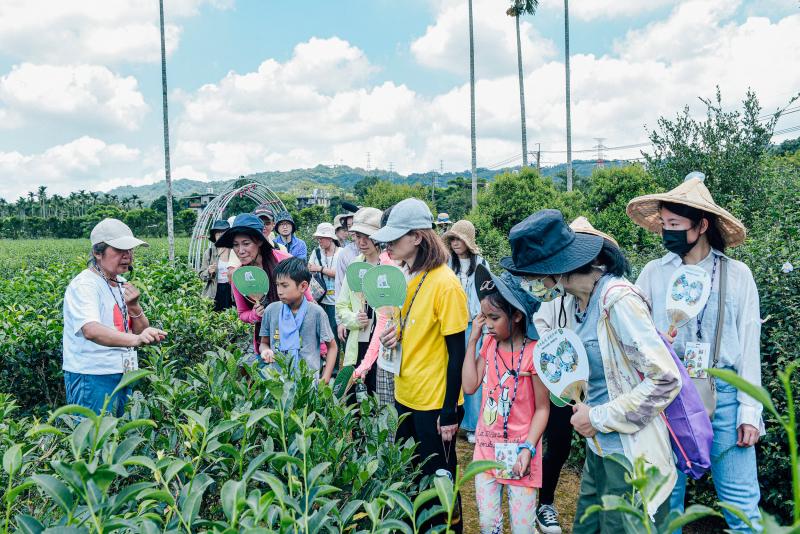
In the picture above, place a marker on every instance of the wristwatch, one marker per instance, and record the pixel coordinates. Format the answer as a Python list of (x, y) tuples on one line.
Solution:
[(527, 445)]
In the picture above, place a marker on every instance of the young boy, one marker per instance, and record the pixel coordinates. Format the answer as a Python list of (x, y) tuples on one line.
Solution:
[(295, 326)]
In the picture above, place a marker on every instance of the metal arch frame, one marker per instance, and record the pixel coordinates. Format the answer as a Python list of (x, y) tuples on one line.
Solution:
[(257, 191)]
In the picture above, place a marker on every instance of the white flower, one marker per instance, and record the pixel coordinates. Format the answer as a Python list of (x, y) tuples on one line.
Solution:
[(787, 268)]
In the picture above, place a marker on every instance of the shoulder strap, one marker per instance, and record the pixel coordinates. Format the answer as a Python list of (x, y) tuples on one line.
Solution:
[(723, 262), (319, 256)]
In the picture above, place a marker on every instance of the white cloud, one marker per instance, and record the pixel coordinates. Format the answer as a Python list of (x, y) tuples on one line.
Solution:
[(79, 164), (89, 93), (608, 9), (92, 30), (445, 44)]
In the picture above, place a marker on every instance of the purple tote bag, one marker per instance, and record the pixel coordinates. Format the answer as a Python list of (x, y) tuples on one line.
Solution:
[(689, 427)]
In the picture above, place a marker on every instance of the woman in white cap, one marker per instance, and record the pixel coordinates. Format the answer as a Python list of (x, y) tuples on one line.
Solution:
[(558, 434), (104, 322), (322, 263), (464, 259), (357, 316), (696, 231), (431, 335)]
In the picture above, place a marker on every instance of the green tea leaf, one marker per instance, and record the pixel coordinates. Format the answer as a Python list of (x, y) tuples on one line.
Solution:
[(56, 489), (12, 459)]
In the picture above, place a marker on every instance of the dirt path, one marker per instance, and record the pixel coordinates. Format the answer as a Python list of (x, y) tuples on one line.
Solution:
[(566, 500)]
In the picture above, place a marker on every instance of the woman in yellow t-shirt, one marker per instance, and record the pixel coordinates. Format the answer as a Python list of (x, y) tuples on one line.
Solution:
[(431, 335)]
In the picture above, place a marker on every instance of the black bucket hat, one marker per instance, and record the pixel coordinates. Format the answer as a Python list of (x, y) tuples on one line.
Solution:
[(220, 225), (510, 288), (544, 244), (244, 223)]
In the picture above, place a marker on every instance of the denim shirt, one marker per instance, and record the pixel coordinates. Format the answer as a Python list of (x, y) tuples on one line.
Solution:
[(740, 344), (297, 247)]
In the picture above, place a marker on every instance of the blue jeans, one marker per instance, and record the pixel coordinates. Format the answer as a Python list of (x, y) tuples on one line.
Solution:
[(472, 403), (733, 469), (90, 391)]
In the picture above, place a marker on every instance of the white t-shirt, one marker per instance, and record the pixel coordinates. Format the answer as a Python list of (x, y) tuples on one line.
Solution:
[(328, 262), (88, 299)]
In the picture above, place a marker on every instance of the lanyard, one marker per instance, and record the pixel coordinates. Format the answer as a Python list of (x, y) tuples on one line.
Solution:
[(703, 312), (515, 374), (404, 320), (123, 306)]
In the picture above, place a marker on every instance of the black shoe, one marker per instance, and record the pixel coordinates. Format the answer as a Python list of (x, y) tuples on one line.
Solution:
[(547, 519)]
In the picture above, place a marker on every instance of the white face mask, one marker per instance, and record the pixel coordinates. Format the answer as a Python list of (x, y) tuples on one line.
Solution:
[(542, 293)]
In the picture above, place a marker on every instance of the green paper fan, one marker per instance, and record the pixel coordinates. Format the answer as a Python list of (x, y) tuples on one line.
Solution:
[(355, 274), (558, 401), (343, 381), (251, 282), (385, 285)]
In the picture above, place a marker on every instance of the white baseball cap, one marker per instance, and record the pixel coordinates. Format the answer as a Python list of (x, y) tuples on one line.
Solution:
[(115, 233)]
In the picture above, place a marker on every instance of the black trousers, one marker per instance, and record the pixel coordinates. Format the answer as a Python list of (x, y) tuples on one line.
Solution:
[(370, 378), (223, 299), (421, 425), (557, 441)]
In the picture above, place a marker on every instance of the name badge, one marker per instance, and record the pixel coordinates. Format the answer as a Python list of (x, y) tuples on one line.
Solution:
[(506, 454), (697, 358)]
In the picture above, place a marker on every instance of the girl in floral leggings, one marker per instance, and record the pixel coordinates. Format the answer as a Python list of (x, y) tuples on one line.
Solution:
[(515, 404)]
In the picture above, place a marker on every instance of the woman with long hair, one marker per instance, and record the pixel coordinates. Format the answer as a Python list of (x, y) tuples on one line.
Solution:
[(696, 231), (431, 335), (246, 239)]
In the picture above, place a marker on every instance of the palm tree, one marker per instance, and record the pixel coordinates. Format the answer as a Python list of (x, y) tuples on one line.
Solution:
[(95, 196), (42, 194), (170, 229), (522, 7), (31, 200), (567, 91), (473, 138)]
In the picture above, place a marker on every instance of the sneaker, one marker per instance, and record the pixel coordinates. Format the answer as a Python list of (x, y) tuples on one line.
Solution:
[(471, 437), (547, 519)]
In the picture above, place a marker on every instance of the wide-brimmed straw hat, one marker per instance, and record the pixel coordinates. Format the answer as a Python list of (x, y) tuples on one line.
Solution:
[(644, 210), (465, 231), (582, 225), (367, 221), (544, 244)]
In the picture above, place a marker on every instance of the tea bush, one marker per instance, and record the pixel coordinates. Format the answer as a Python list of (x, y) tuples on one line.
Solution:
[(221, 449)]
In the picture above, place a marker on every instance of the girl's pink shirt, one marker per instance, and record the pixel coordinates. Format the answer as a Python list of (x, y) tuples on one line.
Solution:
[(522, 410)]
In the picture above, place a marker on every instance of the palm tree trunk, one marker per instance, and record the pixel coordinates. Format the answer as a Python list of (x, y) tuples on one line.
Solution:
[(170, 230), (473, 138), (521, 97), (568, 98)]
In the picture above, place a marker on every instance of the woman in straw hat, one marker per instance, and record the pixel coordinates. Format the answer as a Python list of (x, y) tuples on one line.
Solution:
[(464, 259), (558, 434), (632, 376), (696, 231)]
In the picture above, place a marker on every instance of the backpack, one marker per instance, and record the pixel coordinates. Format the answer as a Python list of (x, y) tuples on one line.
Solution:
[(687, 421), (317, 286)]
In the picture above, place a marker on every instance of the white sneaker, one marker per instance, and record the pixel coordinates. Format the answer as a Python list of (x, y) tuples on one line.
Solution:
[(471, 437), (547, 519)]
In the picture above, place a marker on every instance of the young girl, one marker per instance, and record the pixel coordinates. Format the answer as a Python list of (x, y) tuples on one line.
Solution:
[(515, 403)]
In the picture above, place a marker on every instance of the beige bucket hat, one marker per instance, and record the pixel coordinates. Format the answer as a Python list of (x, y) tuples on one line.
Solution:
[(367, 221), (644, 210), (583, 226), (465, 231), (325, 230)]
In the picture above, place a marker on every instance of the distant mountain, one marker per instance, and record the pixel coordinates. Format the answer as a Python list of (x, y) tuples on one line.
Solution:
[(334, 179)]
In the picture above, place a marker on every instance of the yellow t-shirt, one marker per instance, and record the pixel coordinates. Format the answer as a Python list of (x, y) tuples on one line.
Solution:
[(439, 310)]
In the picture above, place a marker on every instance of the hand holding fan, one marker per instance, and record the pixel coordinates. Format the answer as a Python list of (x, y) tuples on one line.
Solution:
[(355, 274), (251, 282), (687, 293), (385, 285), (562, 364)]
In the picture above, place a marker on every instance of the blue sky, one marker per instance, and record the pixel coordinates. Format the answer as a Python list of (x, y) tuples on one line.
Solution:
[(270, 85)]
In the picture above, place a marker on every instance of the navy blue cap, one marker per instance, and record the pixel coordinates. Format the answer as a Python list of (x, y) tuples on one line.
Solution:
[(510, 288), (244, 223), (544, 244)]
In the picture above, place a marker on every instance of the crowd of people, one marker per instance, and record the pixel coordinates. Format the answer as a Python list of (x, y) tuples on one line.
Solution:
[(467, 336)]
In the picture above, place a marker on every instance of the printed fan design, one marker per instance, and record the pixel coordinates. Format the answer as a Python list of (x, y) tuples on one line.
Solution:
[(565, 360), (682, 289)]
